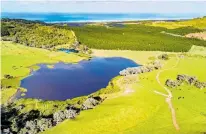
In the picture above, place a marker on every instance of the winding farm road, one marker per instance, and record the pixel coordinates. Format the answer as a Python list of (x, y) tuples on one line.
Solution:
[(168, 95)]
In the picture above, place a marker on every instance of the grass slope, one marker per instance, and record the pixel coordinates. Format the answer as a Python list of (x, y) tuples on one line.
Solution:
[(198, 50), (144, 112), (16, 59), (6, 94)]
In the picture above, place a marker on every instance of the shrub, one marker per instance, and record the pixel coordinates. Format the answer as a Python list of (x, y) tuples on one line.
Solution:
[(163, 57)]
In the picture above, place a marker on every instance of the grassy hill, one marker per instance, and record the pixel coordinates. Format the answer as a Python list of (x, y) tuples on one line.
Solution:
[(199, 23)]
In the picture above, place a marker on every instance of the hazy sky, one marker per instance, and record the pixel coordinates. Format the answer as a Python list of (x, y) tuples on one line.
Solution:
[(115, 6)]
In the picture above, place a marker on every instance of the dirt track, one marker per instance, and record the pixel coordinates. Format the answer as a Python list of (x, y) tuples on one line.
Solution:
[(169, 95)]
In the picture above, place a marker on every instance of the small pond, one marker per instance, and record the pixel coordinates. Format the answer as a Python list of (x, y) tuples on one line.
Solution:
[(66, 81), (68, 50)]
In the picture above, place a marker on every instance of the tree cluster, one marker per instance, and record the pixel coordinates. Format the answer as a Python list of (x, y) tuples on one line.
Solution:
[(7, 76), (33, 122), (35, 34), (77, 46), (182, 78), (69, 113), (163, 57)]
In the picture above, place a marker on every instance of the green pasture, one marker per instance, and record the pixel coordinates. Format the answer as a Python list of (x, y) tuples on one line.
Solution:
[(144, 112)]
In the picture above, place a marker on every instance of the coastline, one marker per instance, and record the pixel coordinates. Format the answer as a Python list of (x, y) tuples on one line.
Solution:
[(118, 21), (90, 17)]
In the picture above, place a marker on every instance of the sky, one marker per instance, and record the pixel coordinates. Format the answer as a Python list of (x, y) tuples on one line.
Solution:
[(104, 6)]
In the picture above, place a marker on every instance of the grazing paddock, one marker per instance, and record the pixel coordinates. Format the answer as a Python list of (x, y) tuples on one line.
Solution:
[(144, 111)]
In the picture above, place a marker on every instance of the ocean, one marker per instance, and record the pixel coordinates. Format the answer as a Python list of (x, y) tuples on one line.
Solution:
[(96, 17)]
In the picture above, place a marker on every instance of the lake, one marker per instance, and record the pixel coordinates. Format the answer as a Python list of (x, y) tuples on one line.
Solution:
[(66, 81)]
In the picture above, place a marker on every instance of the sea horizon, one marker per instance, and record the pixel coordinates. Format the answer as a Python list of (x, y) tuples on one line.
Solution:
[(96, 17)]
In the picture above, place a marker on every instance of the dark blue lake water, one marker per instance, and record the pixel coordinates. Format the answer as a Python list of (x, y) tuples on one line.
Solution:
[(66, 81)]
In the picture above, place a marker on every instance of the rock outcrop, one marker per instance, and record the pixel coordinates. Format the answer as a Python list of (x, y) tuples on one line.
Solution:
[(91, 102), (141, 69)]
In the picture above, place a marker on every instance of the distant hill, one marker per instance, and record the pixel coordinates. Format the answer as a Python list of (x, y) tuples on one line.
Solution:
[(35, 33), (199, 23)]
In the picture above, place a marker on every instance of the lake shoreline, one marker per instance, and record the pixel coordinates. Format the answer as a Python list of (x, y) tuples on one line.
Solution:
[(95, 69)]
